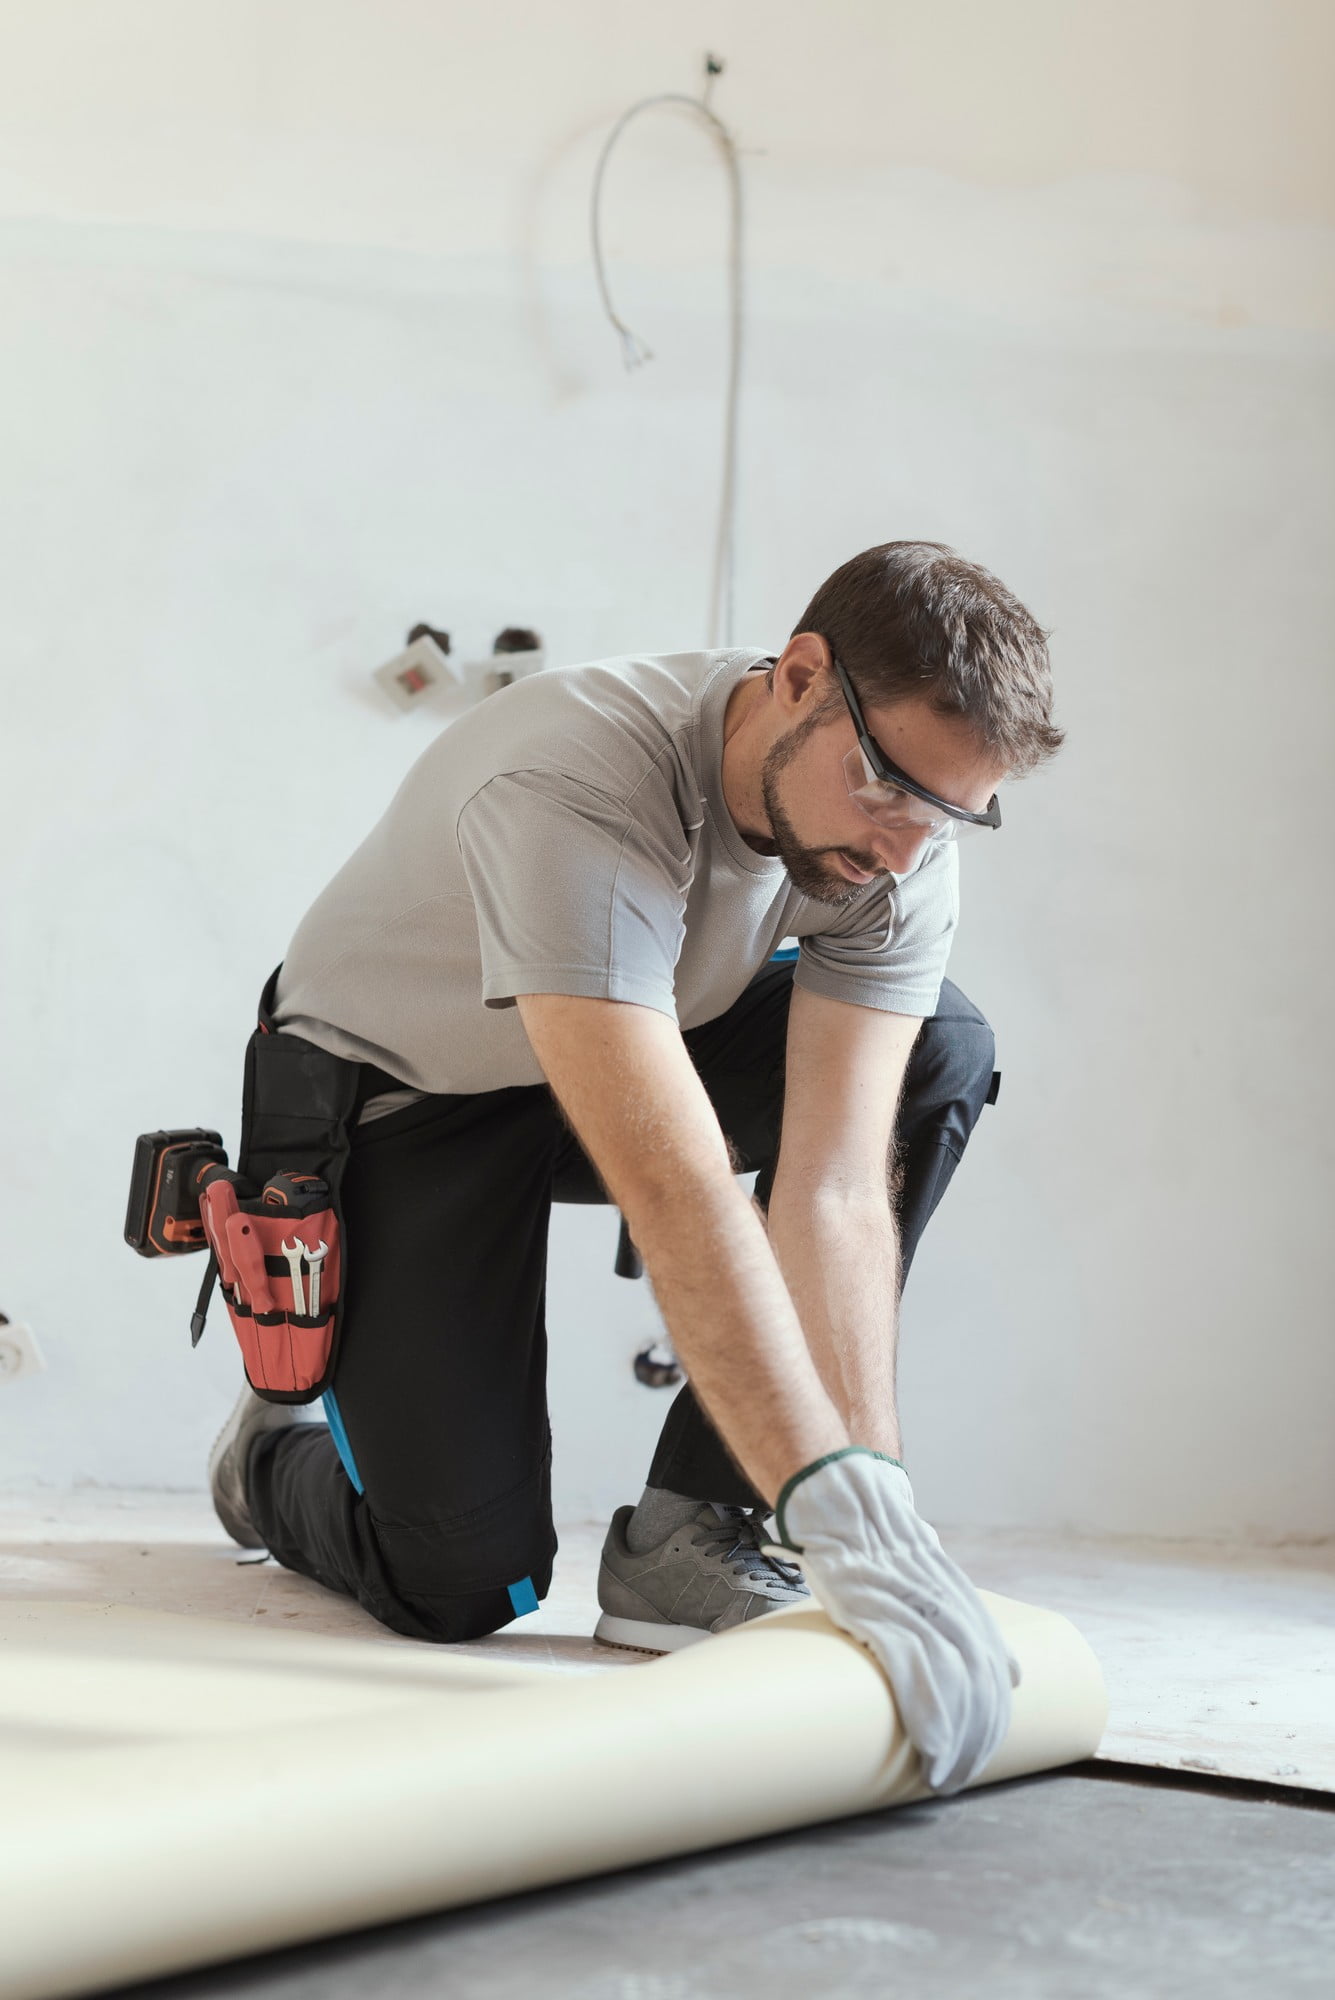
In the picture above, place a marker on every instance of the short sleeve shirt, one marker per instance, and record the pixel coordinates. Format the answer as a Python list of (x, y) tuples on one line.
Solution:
[(570, 835)]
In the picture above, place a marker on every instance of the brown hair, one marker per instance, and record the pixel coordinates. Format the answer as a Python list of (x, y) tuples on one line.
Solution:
[(913, 619)]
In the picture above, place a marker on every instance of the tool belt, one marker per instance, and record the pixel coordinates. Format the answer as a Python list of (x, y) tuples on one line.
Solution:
[(277, 1246)]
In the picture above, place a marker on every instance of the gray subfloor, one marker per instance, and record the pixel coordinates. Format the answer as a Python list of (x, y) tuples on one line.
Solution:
[(1086, 1884)]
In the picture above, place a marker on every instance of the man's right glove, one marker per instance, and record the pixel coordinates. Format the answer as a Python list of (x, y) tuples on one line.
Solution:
[(881, 1575)]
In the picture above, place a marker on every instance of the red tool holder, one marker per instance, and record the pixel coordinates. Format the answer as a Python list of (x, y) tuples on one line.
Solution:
[(298, 1108), (287, 1353)]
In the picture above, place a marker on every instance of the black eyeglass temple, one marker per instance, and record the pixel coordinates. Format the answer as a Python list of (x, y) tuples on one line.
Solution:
[(892, 773)]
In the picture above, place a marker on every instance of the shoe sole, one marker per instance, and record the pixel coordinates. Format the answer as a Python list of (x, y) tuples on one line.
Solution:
[(639, 1635), (239, 1526)]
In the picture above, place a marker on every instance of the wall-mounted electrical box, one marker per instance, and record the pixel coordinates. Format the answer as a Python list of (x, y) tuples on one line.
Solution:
[(415, 677)]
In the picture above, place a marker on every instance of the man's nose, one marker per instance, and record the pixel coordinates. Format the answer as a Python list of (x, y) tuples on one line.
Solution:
[(899, 848)]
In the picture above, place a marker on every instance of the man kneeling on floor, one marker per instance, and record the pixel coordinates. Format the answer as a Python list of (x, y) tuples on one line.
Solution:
[(552, 962)]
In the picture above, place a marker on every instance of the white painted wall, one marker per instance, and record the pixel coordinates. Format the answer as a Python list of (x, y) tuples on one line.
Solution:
[(300, 343)]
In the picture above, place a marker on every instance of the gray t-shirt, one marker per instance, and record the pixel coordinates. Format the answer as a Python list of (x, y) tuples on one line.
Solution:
[(569, 835)]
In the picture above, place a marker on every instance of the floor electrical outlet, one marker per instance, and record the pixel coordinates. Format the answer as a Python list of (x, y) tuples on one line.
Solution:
[(19, 1352)]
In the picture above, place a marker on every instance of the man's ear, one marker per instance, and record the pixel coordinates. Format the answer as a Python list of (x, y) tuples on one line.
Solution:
[(802, 675)]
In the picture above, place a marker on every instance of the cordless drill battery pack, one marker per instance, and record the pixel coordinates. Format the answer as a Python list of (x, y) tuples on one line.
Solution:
[(163, 1218)]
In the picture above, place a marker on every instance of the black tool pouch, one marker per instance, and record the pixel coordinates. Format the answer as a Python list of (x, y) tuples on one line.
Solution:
[(297, 1112)]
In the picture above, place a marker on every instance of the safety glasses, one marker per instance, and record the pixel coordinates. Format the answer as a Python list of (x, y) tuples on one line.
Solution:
[(890, 797)]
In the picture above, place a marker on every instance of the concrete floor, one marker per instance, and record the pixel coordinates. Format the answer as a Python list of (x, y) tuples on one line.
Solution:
[(1079, 1886)]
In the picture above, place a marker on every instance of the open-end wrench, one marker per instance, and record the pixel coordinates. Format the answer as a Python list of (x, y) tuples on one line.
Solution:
[(294, 1252), (315, 1258)]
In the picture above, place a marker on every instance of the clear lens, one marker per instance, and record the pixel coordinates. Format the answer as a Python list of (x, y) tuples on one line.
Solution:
[(889, 805)]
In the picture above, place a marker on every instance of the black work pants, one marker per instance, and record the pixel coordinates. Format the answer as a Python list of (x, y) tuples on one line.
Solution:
[(441, 1377)]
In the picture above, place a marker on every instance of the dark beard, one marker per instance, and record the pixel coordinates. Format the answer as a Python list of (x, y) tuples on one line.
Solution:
[(803, 864)]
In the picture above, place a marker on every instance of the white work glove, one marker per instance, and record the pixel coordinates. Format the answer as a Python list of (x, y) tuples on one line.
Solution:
[(881, 1575)]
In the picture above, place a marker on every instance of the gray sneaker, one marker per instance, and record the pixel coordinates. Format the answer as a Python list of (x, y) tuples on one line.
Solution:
[(227, 1461), (705, 1577)]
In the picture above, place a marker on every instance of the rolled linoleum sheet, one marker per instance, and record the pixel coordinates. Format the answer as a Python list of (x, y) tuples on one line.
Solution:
[(178, 1791)]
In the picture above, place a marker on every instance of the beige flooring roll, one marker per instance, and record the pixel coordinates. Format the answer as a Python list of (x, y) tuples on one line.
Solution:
[(178, 1791)]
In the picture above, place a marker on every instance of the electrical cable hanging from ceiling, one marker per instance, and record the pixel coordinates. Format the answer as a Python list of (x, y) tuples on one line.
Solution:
[(635, 351)]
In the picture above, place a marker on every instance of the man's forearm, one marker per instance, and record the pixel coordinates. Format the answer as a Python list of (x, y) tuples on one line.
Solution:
[(627, 1088), (733, 1323), (839, 1255)]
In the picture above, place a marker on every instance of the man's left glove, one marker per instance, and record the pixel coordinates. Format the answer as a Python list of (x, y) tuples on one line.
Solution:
[(880, 1573)]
